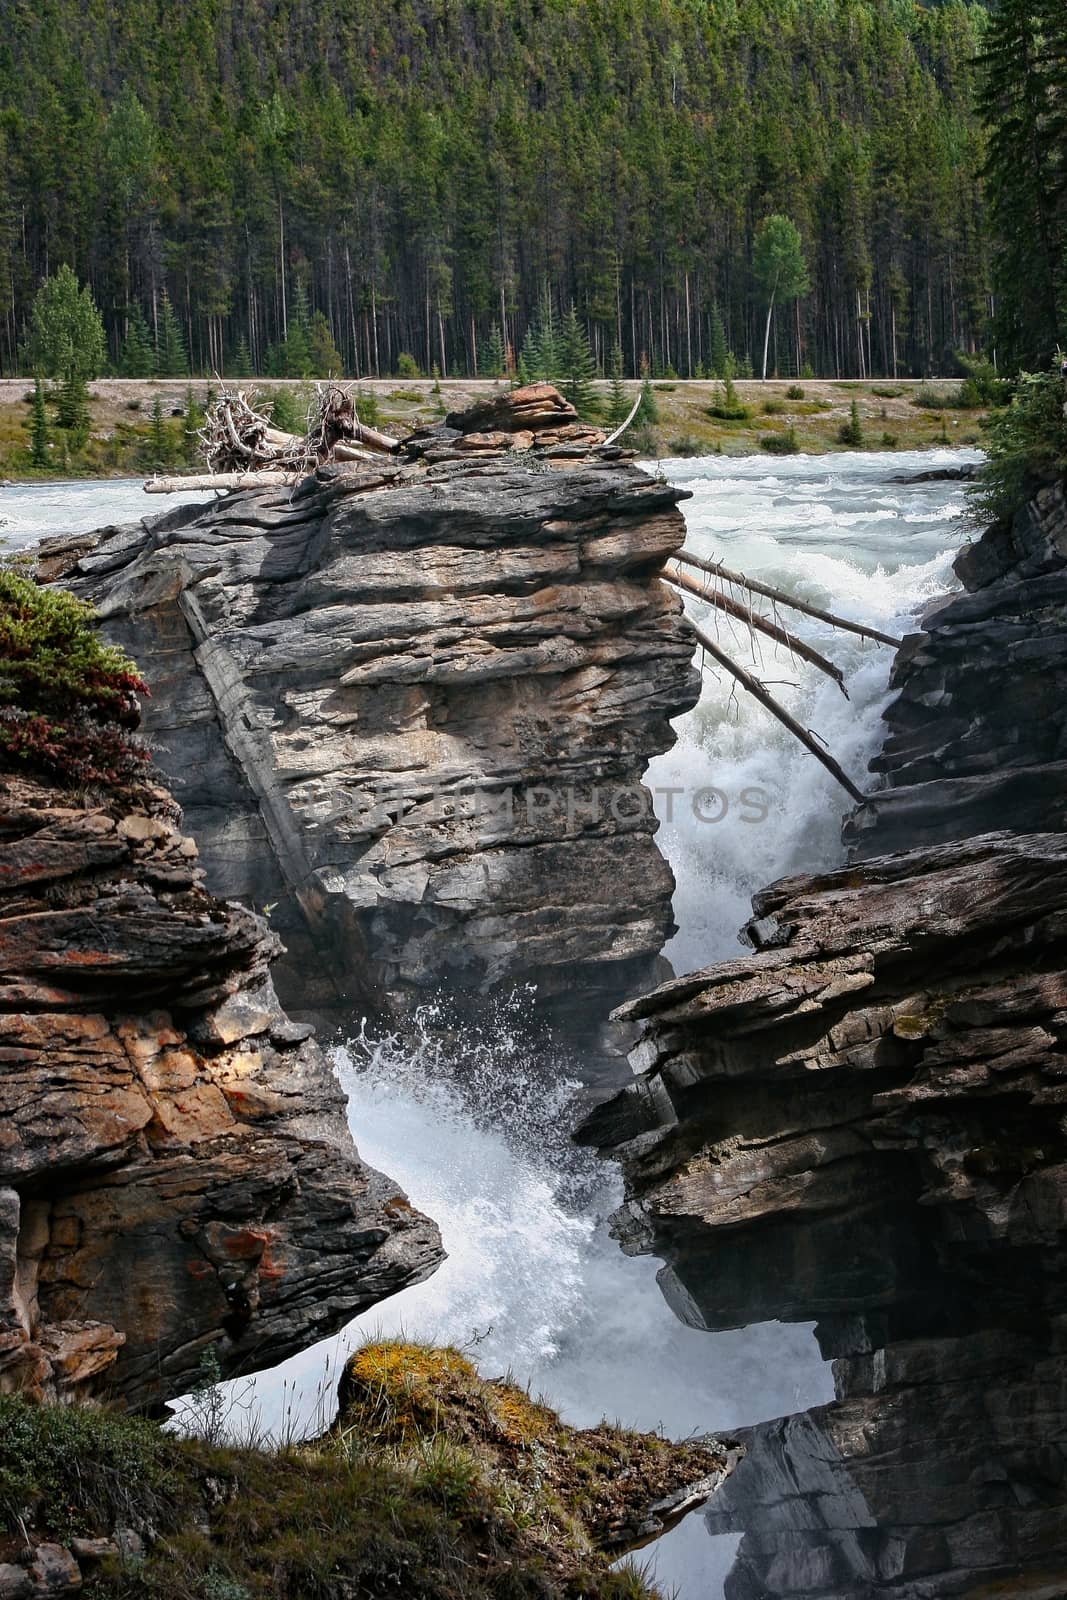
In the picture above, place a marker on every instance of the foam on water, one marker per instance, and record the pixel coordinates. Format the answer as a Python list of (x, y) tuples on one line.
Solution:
[(879, 563), (30, 512)]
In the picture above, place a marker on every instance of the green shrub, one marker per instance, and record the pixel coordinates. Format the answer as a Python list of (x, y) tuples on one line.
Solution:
[(886, 391), (407, 366), (68, 702), (851, 432), (368, 410), (781, 444), (288, 411), (772, 408), (794, 392), (727, 406), (88, 1467), (889, 441), (685, 445), (1026, 445)]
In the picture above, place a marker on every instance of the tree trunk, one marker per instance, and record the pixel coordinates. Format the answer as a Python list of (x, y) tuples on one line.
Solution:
[(767, 332)]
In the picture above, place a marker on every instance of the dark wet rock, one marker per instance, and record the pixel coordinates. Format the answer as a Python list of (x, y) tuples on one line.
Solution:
[(862, 1121), (411, 712), (176, 1170), (977, 736)]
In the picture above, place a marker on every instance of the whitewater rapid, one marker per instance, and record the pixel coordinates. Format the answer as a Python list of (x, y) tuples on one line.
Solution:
[(476, 1134)]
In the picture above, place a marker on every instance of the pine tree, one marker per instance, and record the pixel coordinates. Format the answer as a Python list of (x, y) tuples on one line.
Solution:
[(324, 357), (618, 409), (540, 356), (39, 453), (72, 408), (296, 351), (647, 411), (718, 350), (138, 357), (172, 360), (240, 362), (577, 367), (1024, 67), (493, 362), (192, 422), (158, 440), (286, 413)]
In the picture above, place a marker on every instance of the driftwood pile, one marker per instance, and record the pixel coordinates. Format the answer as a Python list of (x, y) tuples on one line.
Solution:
[(243, 450)]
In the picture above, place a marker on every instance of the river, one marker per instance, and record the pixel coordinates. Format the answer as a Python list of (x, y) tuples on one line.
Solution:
[(534, 1283)]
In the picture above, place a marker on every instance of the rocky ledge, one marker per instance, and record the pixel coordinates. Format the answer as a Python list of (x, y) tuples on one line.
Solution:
[(411, 709), (176, 1171), (862, 1121), (977, 734)]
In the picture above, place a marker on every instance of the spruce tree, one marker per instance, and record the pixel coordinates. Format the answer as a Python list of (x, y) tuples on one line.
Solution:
[(172, 361), (324, 357), (718, 350), (296, 351), (493, 361), (286, 413), (192, 422), (39, 454), (138, 357), (1024, 68), (577, 367), (647, 411), (618, 409), (240, 362), (158, 443), (540, 356), (72, 408)]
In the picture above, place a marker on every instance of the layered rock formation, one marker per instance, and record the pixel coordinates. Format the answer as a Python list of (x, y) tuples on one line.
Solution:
[(176, 1171), (862, 1122), (411, 708), (977, 736)]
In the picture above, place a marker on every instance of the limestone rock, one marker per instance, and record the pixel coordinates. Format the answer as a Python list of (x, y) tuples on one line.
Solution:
[(176, 1169), (413, 719)]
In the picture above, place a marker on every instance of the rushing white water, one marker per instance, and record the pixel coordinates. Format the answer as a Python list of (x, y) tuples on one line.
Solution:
[(842, 532), (30, 512), (534, 1283)]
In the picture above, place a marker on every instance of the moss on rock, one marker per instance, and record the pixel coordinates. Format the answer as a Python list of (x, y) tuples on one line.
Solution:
[(433, 1484)]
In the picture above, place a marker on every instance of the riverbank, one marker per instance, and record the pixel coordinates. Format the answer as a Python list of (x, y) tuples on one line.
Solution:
[(123, 441)]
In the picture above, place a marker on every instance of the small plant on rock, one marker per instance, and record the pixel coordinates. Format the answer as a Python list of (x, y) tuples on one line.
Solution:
[(68, 702)]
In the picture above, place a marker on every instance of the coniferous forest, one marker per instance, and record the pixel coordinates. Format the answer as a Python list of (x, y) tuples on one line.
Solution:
[(273, 186)]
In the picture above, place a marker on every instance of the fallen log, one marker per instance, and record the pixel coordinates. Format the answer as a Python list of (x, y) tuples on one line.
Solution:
[(753, 619), (221, 480), (717, 570), (749, 681), (619, 431)]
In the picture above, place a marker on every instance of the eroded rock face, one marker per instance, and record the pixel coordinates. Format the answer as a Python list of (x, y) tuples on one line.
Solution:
[(412, 709), (176, 1170), (863, 1122), (977, 736)]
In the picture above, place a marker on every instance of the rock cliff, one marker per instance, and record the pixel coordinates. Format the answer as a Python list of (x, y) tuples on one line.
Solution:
[(862, 1122), (412, 707), (977, 735), (176, 1171)]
